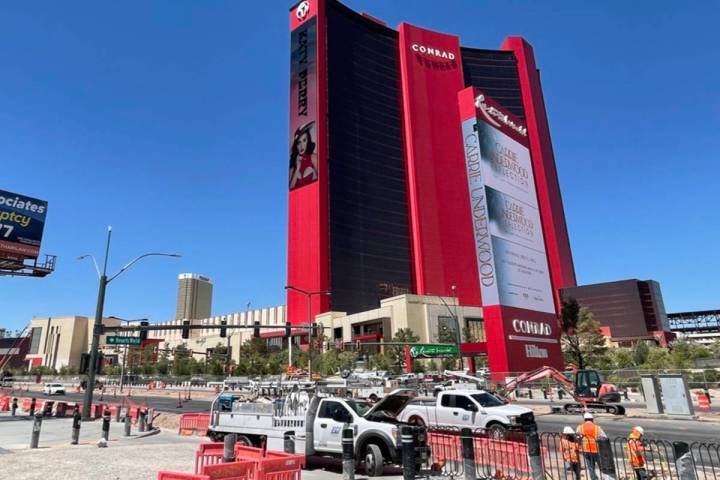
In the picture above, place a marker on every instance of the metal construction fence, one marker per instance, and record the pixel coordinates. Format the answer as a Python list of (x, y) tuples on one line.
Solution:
[(519, 455)]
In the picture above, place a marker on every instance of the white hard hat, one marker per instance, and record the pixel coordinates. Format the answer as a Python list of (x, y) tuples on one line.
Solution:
[(568, 431), (588, 416), (640, 430)]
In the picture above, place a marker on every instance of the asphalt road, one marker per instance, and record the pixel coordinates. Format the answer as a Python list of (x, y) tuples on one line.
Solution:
[(671, 430), (161, 404)]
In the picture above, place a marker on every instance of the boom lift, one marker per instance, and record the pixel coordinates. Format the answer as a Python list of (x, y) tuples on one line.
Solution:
[(590, 392)]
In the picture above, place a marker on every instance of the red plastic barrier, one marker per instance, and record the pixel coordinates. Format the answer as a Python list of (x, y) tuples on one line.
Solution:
[(4, 404), (25, 406), (194, 423), (180, 476), (207, 454), (239, 470)]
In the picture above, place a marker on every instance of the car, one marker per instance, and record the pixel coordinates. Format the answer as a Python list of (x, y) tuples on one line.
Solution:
[(54, 389)]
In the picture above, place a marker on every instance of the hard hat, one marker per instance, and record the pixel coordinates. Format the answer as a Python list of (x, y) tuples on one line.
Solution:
[(568, 431), (588, 416), (639, 430)]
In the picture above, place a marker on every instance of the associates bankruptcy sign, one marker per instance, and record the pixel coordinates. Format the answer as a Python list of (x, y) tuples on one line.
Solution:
[(22, 220)]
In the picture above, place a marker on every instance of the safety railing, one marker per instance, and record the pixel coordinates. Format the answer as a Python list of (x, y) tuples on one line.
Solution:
[(650, 458)]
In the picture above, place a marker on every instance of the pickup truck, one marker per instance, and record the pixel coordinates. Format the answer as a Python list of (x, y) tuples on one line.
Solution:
[(471, 409), (315, 424)]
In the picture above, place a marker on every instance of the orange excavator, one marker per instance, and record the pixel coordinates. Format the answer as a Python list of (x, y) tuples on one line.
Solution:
[(587, 387)]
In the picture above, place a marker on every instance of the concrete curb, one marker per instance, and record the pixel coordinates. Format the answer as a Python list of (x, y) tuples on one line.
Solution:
[(152, 432)]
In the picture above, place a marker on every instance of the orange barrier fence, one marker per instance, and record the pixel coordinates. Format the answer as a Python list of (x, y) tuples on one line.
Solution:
[(4, 404), (269, 465), (194, 423)]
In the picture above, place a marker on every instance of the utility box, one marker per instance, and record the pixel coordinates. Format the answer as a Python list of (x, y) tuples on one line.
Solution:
[(676, 397), (651, 392)]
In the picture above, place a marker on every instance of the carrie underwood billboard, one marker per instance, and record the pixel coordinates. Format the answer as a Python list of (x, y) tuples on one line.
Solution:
[(303, 168)]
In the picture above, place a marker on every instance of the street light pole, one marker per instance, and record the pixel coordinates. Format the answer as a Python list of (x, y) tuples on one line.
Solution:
[(97, 325), (97, 330), (309, 296)]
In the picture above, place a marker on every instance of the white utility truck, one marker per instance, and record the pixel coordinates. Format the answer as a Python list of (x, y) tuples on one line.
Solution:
[(471, 409), (315, 423)]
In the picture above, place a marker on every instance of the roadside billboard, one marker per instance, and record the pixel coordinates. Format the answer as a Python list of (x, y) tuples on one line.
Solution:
[(22, 220)]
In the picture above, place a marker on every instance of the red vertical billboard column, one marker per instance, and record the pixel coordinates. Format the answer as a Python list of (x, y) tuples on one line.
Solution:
[(431, 76), (510, 247), (308, 242), (562, 270)]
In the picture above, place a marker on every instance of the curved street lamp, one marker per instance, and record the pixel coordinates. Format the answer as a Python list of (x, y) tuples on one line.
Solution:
[(103, 281)]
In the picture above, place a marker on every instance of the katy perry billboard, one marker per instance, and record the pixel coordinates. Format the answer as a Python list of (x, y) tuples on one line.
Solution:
[(303, 169)]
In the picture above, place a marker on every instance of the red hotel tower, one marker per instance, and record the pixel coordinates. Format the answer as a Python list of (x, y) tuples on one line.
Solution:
[(420, 166)]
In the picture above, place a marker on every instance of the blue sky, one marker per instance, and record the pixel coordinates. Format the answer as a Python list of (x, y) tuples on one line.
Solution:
[(168, 120)]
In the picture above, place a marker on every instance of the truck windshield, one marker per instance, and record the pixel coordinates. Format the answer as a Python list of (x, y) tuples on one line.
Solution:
[(487, 400), (360, 408)]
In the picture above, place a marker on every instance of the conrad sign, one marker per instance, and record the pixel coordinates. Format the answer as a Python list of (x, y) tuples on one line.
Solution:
[(530, 327)]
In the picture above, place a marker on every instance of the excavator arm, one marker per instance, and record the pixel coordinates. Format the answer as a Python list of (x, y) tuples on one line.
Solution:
[(539, 374)]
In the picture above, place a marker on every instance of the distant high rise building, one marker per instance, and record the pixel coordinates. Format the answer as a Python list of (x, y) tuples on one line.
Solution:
[(194, 298)]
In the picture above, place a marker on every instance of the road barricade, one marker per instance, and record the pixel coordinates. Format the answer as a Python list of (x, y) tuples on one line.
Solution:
[(194, 424), (268, 465), (703, 402), (4, 404), (25, 405)]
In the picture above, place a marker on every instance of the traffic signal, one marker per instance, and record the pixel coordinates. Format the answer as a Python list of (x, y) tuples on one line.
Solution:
[(256, 329), (314, 330), (84, 362), (99, 361), (223, 330), (186, 331), (288, 330), (144, 333)]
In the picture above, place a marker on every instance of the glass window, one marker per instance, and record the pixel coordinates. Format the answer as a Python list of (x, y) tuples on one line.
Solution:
[(361, 408), (35, 340), (446, 332), (487, 400), (474, 330), (328, 409), (456, 401)]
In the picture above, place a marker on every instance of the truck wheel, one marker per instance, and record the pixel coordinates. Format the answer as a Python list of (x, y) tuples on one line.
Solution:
[(417, 421), (497, 431), (373, 398), (244, 441), (373, 461)]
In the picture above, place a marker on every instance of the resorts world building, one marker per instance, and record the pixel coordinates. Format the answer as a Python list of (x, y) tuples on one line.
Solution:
[(422, 167)]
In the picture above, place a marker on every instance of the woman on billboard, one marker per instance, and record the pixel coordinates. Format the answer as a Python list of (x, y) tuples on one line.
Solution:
[(303, 159)]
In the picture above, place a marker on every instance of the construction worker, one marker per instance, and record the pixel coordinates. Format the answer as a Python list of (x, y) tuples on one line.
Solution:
[(589, 433), (636, 452), (569, 448)]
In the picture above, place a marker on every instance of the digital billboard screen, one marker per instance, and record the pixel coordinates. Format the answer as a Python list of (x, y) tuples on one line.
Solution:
[(510, 246), (22, 220), (303, 168)]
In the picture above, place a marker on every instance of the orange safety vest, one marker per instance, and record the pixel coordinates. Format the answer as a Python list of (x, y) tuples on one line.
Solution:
[(590, 433), (569, 450), (636, 450)]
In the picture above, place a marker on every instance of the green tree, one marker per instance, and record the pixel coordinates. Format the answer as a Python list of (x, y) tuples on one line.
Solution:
[(657, 359), (584, 344), (163, 363), (396, 353), (640, 353), (445, 333)]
